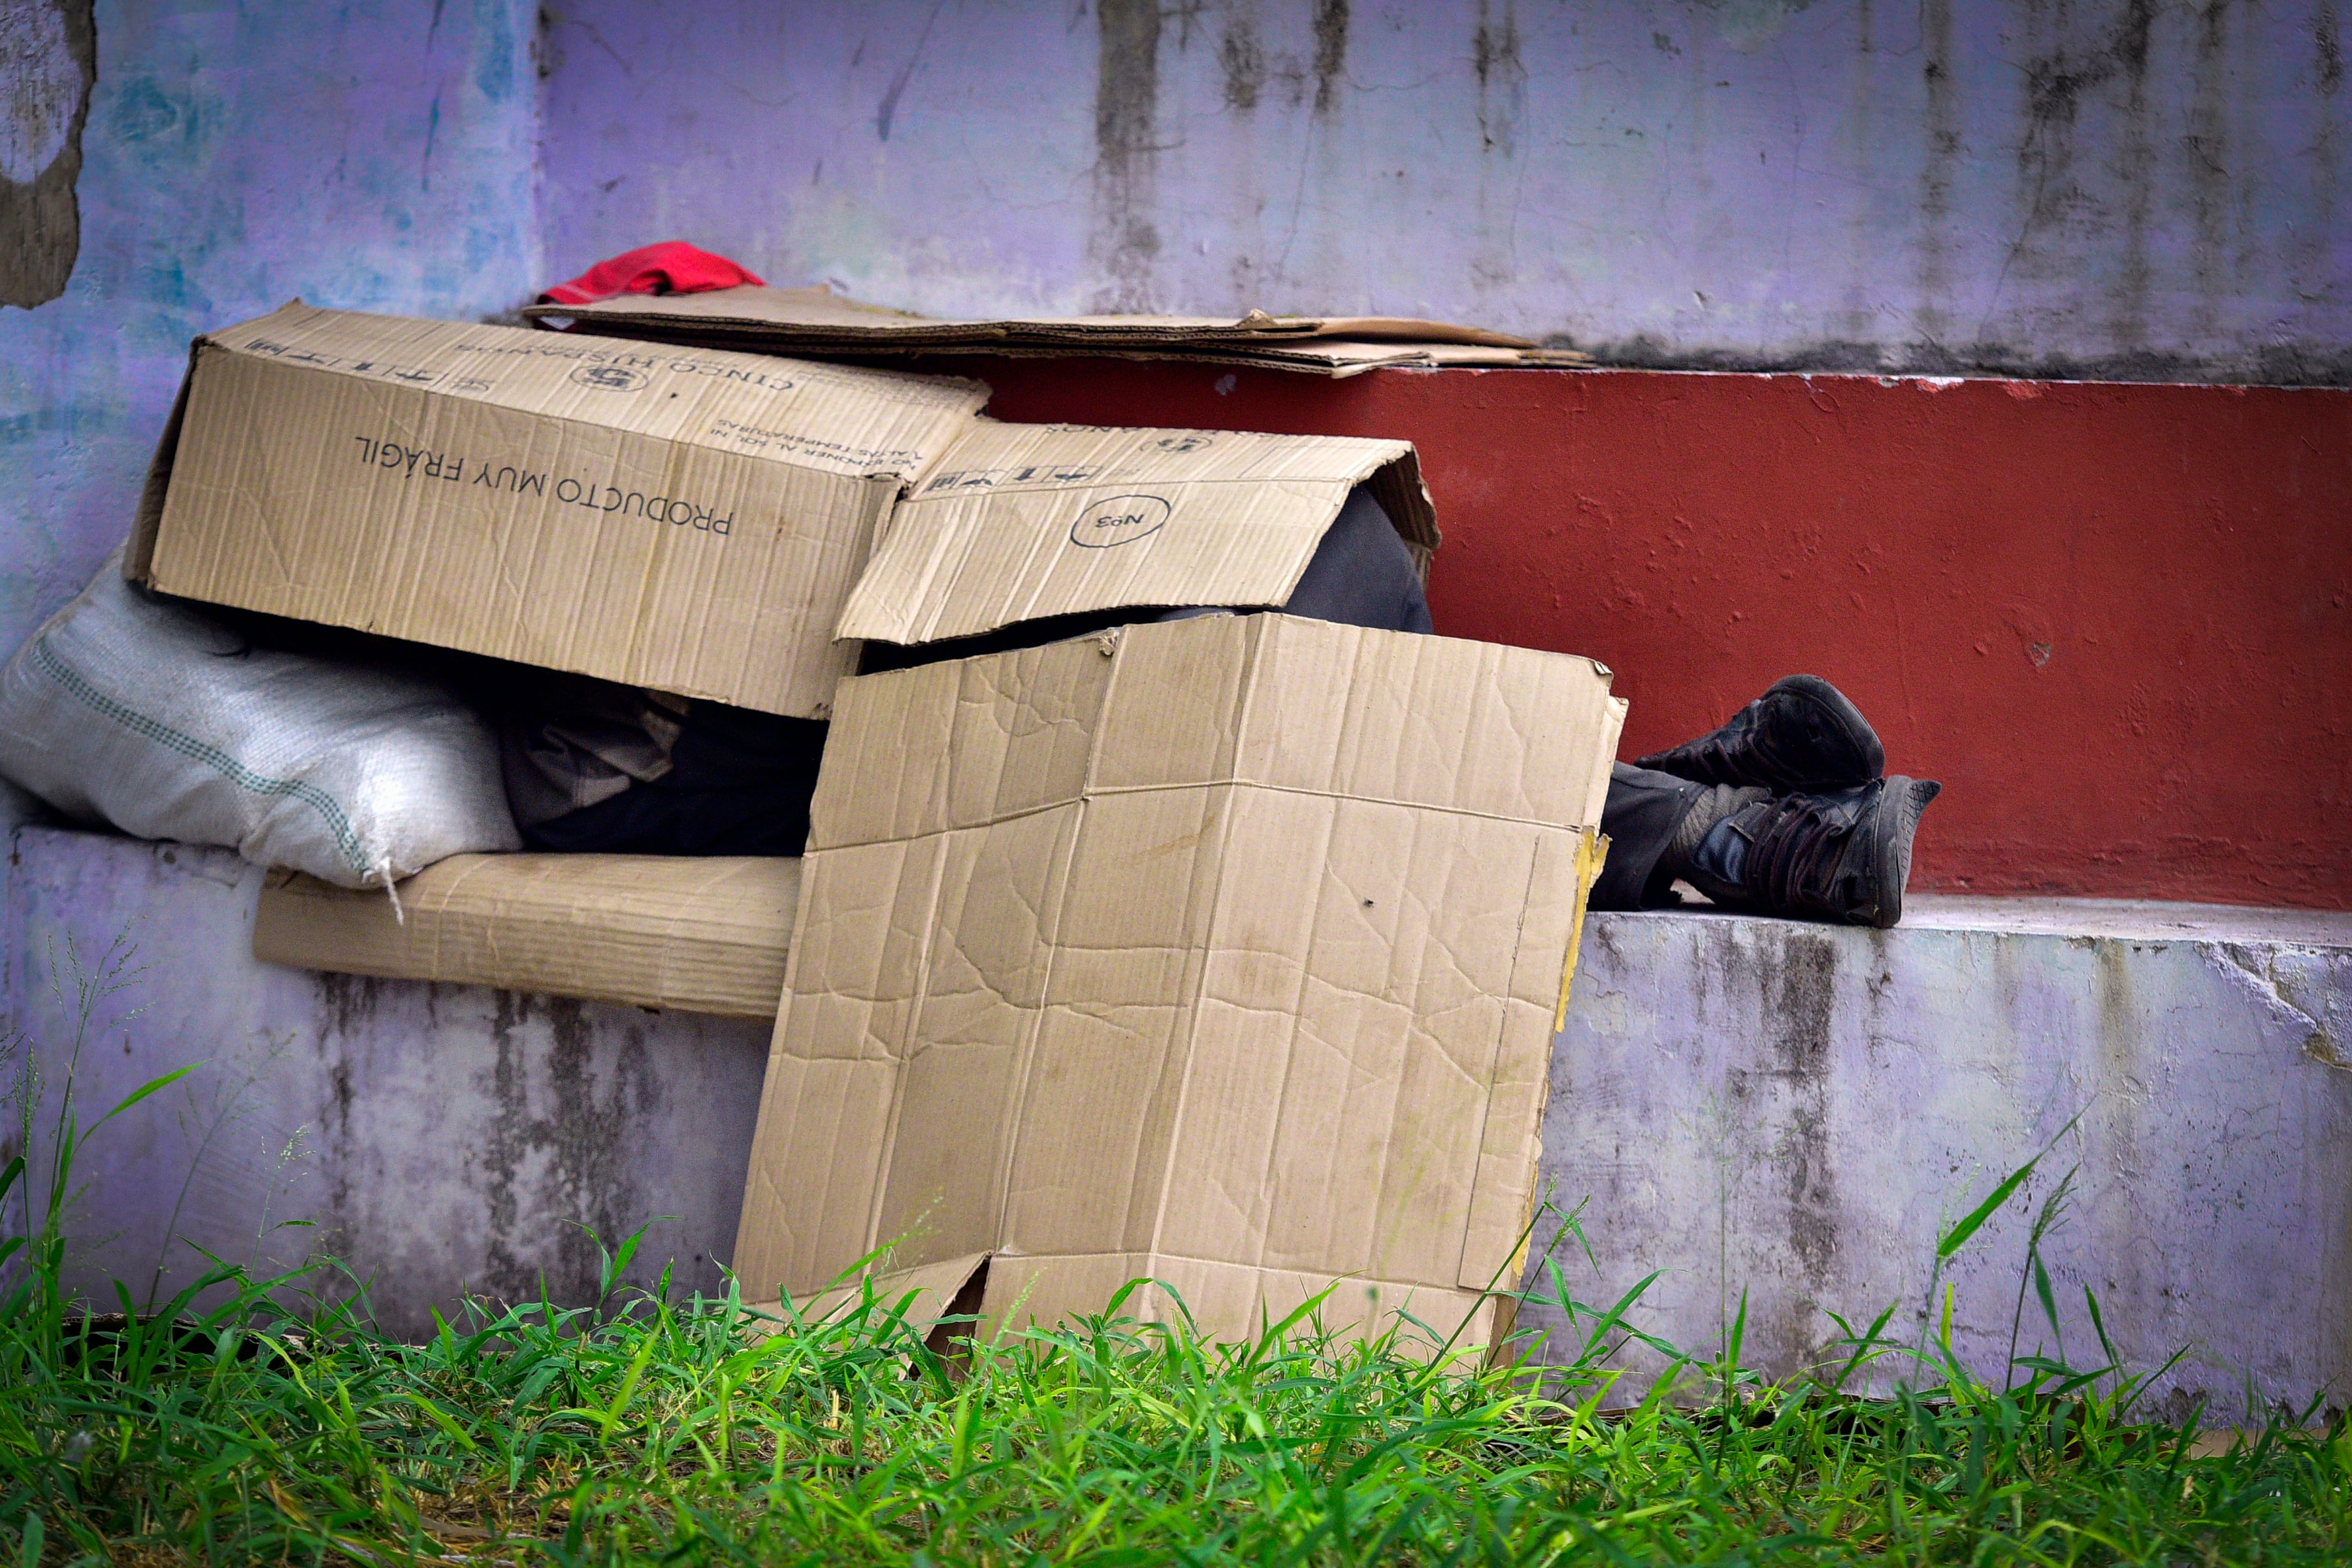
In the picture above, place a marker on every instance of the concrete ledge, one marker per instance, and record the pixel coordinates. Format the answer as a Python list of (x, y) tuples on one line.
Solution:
[(1796, 1109), (1801, 1111), (438, 1138)]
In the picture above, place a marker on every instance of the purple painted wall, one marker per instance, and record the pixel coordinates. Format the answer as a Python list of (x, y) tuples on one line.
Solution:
[(2133, 190), (2119, 189), (377, 155)]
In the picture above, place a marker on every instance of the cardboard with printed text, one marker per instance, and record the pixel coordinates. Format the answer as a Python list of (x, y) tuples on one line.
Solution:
[(685, 520), (1227, 952)]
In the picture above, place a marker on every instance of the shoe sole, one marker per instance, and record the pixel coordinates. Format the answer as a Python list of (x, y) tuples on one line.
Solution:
[(1820, 692), (1894, 825)]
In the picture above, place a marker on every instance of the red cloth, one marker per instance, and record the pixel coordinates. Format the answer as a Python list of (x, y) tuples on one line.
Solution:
[(673, 266)]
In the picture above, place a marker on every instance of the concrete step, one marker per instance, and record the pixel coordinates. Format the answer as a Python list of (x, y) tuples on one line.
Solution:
[(1798, 1110)]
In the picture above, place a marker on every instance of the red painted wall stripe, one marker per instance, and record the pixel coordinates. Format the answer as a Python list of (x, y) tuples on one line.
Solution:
[(2116, 620)]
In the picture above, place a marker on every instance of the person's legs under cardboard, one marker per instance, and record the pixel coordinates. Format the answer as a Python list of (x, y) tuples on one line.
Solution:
[(714, 780)]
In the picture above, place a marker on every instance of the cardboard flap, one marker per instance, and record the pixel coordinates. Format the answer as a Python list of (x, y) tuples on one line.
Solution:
[(934, 1288), (959, 744), (835, 418), (1021, 522)]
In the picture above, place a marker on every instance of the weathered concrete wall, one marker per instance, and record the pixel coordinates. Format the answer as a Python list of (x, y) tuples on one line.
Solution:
[(377, 156), (2121, 189), (436, 1139), (1799, 1110)]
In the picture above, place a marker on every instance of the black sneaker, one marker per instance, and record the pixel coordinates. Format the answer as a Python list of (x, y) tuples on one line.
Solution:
[(1801, 734), (1842, 856)]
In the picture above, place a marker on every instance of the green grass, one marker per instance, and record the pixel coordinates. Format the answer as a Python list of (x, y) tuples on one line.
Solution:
[(226, 1427)]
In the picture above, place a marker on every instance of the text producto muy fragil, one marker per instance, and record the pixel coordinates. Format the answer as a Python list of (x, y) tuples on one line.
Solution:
[(416, 462)]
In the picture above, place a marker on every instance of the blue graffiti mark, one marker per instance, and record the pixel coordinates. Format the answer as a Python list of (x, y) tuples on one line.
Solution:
[(494, 58), (144, 113)]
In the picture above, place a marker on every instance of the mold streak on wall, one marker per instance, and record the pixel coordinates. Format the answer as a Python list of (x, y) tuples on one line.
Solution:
[(2126, 189)]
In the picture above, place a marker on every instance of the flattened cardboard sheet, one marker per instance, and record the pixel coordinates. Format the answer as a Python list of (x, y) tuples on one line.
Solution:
[(1224, 952), (785, 317), (818, 321), (1021, 522), (701, 935), (686, 519)]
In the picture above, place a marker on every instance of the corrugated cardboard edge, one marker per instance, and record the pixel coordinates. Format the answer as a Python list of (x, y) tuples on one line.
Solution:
[(139, 554), (1403, 494)]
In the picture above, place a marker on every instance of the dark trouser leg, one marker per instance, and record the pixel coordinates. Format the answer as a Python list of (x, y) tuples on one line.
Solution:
[(1643, 811), (739, 784), (1656, 824)]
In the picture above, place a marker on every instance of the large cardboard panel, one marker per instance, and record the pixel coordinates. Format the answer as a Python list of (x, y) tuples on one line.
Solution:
[(701, 935), (1232, 961), (1021, 522), (688, 520)]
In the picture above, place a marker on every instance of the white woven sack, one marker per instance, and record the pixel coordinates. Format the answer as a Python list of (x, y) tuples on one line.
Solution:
[(141, 712)]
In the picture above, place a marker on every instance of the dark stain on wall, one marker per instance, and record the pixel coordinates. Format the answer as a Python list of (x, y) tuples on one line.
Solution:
[(49, 62), (2206, 151), (1126, 105), (573, 1152), (350, 1000), (2330, 44), (1243, 62), (1502, 77), (2063, 207), (1931, 321), (1779, 1101), (1330, 50), (887, 110), (1801, 990)]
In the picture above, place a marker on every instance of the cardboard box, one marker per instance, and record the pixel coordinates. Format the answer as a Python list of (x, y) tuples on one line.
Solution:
[(699, 935), (1227, 952), (1021, 522), (686, 519), (691, 520)]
